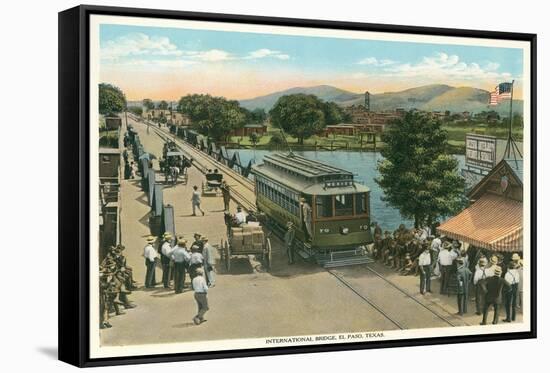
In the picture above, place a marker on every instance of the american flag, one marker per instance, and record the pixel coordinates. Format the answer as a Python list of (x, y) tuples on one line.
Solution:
[(503, 91)]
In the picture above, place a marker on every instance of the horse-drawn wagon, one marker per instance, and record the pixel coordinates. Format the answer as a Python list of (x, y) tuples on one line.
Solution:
[(248, 239)]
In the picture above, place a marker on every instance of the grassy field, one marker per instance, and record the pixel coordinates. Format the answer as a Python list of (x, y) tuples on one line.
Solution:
[(456, 139)]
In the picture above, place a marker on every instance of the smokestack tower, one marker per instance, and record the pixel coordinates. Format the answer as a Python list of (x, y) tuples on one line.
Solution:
[(367, 101)]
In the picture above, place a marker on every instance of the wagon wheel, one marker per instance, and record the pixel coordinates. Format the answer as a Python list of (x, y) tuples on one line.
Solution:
[(267, 255), (227, 256)]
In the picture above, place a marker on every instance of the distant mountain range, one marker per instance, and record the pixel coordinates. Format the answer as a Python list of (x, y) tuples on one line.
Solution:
[(435, 97)]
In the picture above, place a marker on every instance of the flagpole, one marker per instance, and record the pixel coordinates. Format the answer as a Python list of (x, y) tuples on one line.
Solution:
[(509, 143), (511, 101)]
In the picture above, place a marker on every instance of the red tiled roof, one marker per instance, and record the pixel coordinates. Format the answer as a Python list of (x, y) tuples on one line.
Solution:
[(492, 222)]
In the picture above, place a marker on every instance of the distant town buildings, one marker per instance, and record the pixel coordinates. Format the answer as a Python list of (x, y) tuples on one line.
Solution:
[(171, 116)]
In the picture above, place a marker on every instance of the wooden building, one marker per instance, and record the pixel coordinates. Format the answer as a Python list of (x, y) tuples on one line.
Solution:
[(247, 129), (494, 218)]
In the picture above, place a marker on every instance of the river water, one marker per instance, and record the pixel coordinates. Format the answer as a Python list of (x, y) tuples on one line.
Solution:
[(363, 165)]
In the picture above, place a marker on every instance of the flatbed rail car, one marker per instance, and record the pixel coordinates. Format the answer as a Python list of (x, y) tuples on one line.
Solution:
[(328, 208)]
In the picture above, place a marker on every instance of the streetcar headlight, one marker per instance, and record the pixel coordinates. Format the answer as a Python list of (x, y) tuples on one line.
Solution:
[(344, 230)]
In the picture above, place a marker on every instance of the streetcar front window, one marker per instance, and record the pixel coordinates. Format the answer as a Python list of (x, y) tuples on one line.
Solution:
[(361, 200), (343, 204), (323, 206)]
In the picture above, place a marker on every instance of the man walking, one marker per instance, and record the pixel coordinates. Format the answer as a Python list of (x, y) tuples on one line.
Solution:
[(493, 288), (165, 258), (463, 276), (181, 258), (425, 265), (209, 253), (226, 194), (196, 200), (150, 255), (201, 290), (512, 277)]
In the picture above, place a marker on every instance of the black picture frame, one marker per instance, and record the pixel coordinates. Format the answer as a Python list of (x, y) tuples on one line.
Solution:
[(74, 181)]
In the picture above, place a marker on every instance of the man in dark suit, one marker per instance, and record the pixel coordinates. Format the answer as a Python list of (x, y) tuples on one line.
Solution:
[(493, 288)]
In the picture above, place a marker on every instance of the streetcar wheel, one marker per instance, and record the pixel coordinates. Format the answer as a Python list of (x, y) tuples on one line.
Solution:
[(227, 256)]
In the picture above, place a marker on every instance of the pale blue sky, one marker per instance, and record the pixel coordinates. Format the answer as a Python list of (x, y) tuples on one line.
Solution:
[(266, 62)]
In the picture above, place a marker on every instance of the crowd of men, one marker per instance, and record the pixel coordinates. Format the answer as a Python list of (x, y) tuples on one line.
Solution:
[(494, 279), (116, 282), (177, 259)]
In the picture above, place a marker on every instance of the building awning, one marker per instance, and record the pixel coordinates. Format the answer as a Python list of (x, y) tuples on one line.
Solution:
[(492, 222)]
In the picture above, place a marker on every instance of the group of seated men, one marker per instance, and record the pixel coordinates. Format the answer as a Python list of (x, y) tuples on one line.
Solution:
[(115, 283)]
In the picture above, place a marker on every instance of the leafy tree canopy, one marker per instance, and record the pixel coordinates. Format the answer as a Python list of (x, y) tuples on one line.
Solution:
[(148, 103), (335, 114), (212, 116), (300, 115), (163, 105), (258, 116), (111, 99), (137, 110), (417, 176)]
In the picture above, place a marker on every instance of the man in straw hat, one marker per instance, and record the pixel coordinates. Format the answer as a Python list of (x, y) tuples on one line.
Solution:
[(181, 258), (150, 254), (493, 289), (425, 266), (480, 276), (445, 260), (493, 263), (512, 277), (201, 290), (166, 252)]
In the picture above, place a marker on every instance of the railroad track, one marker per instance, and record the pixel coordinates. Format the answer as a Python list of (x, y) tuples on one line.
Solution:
[(400, 317), (203, 162), (240, 186)]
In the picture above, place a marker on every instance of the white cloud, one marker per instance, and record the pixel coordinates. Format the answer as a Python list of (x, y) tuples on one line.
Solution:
[(373, 61), (212, 55), (264, 52), (446, 67), (138, 44)]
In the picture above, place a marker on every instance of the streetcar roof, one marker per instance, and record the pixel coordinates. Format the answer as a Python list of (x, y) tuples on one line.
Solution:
[(304, 167), (308, 186)]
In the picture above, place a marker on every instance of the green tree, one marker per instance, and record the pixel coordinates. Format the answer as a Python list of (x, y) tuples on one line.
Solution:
[(334, 114), (277, 140), (517, 120), (300, 115), (257, 116), (254, 138), (212, 116), (111, 99), (417, 176), (163, 105), (137, 110), (148, 104)]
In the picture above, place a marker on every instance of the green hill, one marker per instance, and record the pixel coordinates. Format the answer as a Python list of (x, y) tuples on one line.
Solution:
[(432, 97)]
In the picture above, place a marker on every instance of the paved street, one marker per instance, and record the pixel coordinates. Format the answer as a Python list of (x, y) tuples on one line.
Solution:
[(249, 302)]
